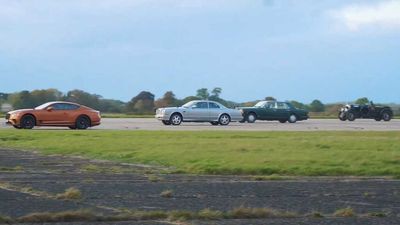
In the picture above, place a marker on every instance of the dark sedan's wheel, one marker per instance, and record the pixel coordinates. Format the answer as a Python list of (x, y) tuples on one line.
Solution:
[(27, 122), (17, 127), (386, 116), (351, 116), (251, 118), (282, 121), (214, 123), (82, 123), (176, 119), (342, 116), (292, 118), (166, 122), (224, 119)]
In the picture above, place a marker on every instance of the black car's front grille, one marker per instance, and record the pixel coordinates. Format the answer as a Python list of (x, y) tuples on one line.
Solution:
[(8, 116)]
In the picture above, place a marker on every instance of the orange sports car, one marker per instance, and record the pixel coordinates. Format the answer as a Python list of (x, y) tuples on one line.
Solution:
[(64, 114)]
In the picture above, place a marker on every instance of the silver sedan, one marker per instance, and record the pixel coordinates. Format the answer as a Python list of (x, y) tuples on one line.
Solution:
[(199, 111)]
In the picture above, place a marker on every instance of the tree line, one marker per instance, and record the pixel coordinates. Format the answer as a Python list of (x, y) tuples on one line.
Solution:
[(145, 102)]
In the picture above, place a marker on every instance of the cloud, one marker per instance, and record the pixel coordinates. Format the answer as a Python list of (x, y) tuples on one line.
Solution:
[(384, 15)]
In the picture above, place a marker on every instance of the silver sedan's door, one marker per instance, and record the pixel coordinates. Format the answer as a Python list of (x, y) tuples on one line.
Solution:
[(215, 111), (198, 112)]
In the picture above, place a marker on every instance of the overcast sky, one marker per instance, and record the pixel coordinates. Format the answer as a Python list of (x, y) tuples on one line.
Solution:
[(335, 50)]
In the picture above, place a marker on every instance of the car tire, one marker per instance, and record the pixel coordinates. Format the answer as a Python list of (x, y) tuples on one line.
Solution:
[(282, 121), (251, 118), (27, 122), (224, 119), (351, 116), (72, 127), (214, 123), (176, 119), (386, 116), (292, 118), (82, 123), (166, 122), (342, 116)]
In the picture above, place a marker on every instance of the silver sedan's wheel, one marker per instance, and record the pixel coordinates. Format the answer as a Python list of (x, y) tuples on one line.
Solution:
[(224, 120), (176, 119), (292, 118)]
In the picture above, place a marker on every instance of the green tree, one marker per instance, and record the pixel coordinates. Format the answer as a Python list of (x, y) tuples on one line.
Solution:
[(84, 98), (203, 93), (362, 101), (317, 106), (298, 105), (168, 99), (21, 100), (142, 103), (216, 92)]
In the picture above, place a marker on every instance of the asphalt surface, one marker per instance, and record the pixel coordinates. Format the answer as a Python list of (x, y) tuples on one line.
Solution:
[(308, 125), (28, 179)]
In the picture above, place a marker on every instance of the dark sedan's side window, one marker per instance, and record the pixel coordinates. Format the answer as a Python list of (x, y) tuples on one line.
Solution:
[(282, 105), (213, 105), (270, 105)]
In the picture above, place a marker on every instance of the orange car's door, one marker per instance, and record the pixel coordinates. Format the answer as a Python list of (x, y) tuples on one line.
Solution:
[(54, 115)]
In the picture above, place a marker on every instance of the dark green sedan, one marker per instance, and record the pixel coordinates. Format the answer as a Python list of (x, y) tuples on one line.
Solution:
[(272, 110)]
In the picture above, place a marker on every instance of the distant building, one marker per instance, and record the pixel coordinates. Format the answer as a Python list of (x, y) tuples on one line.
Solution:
[(5, 107)]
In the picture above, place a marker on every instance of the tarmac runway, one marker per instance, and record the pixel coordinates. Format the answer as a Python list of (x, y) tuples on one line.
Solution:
[(308, 125)]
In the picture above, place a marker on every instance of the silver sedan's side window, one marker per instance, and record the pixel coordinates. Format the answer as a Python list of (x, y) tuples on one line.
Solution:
[(213, 105), (201, 105)]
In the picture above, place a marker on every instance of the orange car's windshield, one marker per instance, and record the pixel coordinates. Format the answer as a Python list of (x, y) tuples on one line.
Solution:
[(44, 106)]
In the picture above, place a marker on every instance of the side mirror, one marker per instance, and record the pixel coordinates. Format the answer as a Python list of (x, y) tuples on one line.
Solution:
[(49, 109)]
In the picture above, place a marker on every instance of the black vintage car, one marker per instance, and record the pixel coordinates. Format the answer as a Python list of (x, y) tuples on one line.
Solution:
[(371, 111)]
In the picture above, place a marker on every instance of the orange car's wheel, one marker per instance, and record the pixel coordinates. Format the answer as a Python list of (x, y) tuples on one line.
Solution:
[(17, 127), (82, 123), (72, 127), (27, 122)]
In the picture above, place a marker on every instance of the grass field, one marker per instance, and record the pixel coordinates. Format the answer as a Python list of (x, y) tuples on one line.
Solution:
[(205, 152)]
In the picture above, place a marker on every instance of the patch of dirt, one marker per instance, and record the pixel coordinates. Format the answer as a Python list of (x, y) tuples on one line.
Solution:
[(111, 188)]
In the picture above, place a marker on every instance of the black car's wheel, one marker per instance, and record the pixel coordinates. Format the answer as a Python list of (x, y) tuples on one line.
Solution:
[(342, 116), (166, 122), (386, 116), (282, 121), (351, 116), (176, 119), (27, 122), (224, 119), (292, 118), (82, 123), (17, 127), (214, 123), (251, 118)]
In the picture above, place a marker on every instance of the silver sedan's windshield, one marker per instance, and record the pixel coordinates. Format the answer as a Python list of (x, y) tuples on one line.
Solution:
[(188, 105), (45, 105)]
